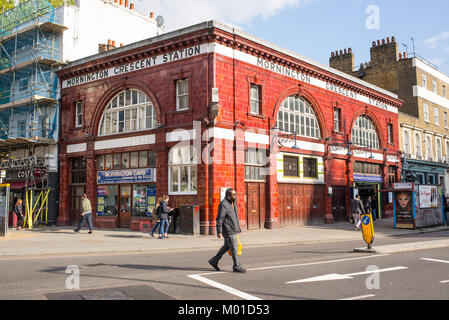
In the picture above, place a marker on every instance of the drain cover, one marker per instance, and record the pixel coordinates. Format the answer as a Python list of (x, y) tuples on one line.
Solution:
[(122, 293)]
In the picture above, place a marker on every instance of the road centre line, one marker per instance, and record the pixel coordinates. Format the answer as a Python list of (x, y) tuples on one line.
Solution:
[(435, 260)]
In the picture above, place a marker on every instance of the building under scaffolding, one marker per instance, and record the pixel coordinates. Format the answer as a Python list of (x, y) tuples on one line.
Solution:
[(30, 40)]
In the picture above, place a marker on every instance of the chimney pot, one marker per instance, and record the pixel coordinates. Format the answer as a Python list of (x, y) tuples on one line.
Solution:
[(131, 6), (126, 3), (388, 39), (151, 15), (378, 42), (121, 44), (350, 50), (393, 39), (383, 41), (405, 55), (121, 2), (113, 44), (373, 43), (400, 56), (332, 54)]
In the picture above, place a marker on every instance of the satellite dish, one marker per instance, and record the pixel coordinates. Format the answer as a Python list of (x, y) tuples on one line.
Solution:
[(160, 21)]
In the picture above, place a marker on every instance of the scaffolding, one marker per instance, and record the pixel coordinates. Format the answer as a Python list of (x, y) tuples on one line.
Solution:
[(30, 38)]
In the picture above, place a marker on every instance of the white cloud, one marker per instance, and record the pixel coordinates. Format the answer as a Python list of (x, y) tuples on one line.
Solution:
[(435, 41), (181, 13)]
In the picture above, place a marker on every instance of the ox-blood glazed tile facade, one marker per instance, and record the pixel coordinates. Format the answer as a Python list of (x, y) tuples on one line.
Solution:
[(201, 109)]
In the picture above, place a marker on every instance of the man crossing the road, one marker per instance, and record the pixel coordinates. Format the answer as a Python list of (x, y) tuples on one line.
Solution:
[(228, 227)]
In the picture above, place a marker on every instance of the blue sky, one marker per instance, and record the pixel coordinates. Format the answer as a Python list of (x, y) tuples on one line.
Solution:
[(315, 28)]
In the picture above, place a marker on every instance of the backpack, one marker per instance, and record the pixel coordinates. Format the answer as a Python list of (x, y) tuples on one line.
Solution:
[(156, 212)]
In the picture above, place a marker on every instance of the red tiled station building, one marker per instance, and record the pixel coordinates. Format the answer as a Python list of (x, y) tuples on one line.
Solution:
[(198, 110)]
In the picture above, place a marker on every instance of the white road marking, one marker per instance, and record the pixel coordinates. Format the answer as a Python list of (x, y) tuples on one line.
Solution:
[(316, 263), (335, 276), (201, 278), (435, 260), (225, 288), (360, 297), (445, 281)]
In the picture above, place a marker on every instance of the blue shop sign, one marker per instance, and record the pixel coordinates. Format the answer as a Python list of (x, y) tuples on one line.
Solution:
[(126, 176), (375, 179)]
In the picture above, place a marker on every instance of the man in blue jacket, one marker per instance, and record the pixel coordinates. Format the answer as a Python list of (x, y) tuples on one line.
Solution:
[(228, 227)]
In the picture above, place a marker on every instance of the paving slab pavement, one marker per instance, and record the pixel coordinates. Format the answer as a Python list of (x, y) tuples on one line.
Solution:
[(62, 241)]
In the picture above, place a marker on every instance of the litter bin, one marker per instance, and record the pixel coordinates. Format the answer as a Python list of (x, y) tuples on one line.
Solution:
[(174, 222), (189, 219), (4, 209)]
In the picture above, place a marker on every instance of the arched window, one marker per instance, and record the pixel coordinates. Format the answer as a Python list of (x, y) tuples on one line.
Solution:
[(130, 110), (439, 150), (296, 115), (182, 170), (364, 133)]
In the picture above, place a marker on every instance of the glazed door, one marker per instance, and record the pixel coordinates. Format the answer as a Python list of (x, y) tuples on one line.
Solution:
[(125, 206)]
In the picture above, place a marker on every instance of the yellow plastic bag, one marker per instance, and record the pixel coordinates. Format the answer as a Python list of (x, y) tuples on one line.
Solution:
[(239, 251)]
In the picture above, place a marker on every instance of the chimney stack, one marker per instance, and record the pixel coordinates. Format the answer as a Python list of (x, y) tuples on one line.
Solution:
[(342, 60)]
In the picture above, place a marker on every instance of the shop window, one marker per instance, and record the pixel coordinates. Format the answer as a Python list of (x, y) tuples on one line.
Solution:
[(254, 164), (310, 167), (129, 111), (78, 170), (182, 95), (182, 170), (107, 201), (296, 115), (144, 200), (291, 167)]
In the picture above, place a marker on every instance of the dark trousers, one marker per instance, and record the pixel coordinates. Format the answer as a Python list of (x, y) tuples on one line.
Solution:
[(19, 220), (87, 216), (230, 243)]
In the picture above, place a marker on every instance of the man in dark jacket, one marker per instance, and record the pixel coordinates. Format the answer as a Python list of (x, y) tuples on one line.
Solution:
[(228, 227)]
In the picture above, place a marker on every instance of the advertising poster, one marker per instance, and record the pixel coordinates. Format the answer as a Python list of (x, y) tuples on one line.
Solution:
[(428, 197), (404, 209), (101, 193)]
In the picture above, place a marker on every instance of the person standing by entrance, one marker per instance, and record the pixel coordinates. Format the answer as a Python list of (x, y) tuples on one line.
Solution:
[(368, 205), (357, 209), (228, 227), (18, 210), (86, 214), (164, 210)]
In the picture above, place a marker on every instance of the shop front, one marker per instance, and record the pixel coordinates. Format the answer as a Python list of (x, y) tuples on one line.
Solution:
[(368, 182), (126, 196)]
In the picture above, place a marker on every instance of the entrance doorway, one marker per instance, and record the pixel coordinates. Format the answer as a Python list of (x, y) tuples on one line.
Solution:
[(124, 218), (339, 211), (255, 205), (370, 190), (75, 205)]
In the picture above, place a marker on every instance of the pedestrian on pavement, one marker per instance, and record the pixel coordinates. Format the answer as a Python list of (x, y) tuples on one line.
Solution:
[(368, 205), (86, 214), (164, 210), (156, 216), (228, 227), (18, 210), (357, 209)]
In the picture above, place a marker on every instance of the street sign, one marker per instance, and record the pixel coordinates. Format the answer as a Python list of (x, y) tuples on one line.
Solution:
[(367, 229)]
